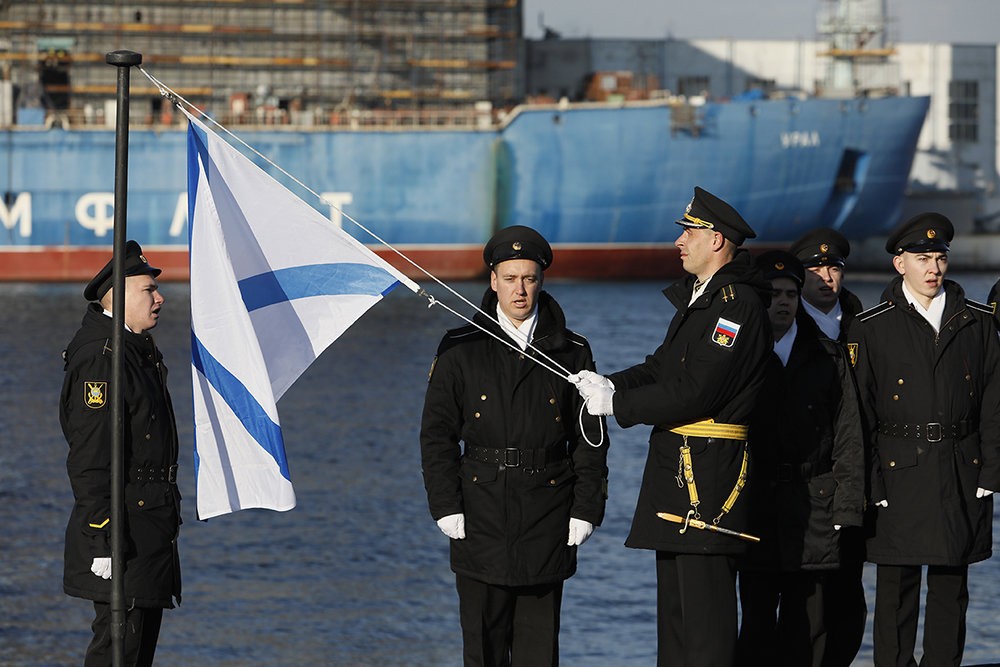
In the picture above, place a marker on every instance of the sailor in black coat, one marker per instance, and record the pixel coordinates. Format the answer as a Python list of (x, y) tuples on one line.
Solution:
[(808, 484), (928, 372), (824, 252), (529, 486), (697, 391), (152, 503)]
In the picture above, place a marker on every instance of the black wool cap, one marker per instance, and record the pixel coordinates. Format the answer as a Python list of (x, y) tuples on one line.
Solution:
[(924, 232), (822, 247), (706, 211), (780, 264), (517, 242), (135, 265)]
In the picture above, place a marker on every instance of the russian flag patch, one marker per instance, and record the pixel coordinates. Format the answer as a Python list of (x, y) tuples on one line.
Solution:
[(725, 332)]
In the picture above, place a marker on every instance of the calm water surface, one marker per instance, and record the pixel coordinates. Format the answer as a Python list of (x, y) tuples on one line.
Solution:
[(358, 573)]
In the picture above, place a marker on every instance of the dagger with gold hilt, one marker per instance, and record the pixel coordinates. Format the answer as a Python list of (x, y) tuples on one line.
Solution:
[(701, 525)]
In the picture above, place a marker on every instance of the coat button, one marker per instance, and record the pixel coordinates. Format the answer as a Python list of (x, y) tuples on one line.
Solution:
[(477, 415), (142, 503), (552, 482), (895, 397), (899, 381), (558, 418), (475, 478), (975, 461), (148, 436), (483, 397), (552, 401), (968, 376), (892, 464)]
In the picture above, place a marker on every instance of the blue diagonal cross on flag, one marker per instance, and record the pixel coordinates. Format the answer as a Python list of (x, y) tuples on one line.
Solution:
[(273, 283)]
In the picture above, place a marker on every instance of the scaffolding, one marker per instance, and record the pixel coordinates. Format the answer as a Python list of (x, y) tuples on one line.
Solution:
[(859, 49), (297, 62)]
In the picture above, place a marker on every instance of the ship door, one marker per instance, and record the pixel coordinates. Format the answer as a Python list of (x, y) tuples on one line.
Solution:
[(847, 183), (53, 71)]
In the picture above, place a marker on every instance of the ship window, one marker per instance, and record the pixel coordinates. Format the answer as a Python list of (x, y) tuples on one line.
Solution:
[(963, 111), (692, 85), (766, 86)]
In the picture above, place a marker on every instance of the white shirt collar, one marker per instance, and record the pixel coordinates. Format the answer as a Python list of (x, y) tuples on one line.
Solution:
[(933, 314), (783, 346), (109, 314), (521, 334), (828, 323), (699, 289)]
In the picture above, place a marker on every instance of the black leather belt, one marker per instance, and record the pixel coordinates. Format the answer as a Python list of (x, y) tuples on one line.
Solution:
[(153, 474), (511, 457), (793, 472), (931, 432)]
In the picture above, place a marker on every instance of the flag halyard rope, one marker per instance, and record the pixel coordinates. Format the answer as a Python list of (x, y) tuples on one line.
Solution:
[(180, 102)]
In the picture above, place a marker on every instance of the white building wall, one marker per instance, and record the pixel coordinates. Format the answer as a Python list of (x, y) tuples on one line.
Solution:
[(793, 65)]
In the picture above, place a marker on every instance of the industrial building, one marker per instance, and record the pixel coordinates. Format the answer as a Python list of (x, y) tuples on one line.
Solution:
[(347, 63)]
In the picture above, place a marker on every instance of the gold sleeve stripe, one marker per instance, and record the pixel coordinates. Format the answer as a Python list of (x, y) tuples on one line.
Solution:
[(102, 524)]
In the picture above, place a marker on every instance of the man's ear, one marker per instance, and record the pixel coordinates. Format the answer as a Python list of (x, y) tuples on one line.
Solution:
[(718, 241)]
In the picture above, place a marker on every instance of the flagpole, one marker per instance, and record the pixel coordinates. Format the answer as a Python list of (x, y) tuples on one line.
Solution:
[(123, 60)]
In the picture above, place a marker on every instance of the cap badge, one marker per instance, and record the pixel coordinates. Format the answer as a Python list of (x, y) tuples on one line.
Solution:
[(931, 233), (516, 245), (780, 266), (94, 394), (142, 258), (824, 247)]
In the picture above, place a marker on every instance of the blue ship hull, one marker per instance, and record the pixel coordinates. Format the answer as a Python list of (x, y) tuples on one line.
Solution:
[(593, 179)]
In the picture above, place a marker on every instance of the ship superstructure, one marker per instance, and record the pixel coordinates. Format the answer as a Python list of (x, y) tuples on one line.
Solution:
[(300, 62)]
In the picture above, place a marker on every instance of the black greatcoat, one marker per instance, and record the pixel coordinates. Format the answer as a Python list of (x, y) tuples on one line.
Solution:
[(484, 394), (991, 300), (907, 375), (808, 457), (696, 374), (152, 503), (850, 306)]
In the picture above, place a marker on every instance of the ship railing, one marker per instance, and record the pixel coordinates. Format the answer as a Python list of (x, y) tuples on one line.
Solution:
[(267, 117), (687, 117)]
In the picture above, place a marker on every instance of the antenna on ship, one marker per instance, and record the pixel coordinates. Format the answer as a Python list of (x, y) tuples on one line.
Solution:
[(859, 49)]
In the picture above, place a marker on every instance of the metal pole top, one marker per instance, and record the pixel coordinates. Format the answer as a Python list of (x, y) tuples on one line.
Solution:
[(123, 58)]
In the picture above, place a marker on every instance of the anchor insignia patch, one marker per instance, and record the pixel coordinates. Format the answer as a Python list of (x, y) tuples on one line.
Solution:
[(95, 394)]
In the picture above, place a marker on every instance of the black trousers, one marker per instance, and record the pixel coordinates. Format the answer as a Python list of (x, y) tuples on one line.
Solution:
[(142, 629), (509, 626), (897, 606), (695, 610), (845, 610), (783, 621)]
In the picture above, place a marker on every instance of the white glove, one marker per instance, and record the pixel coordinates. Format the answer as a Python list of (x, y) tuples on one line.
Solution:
[(983, 493), (453, 526), (883, 503), (579, 532), (101, 567), (598, 399), (836, 526), (585, 377)]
